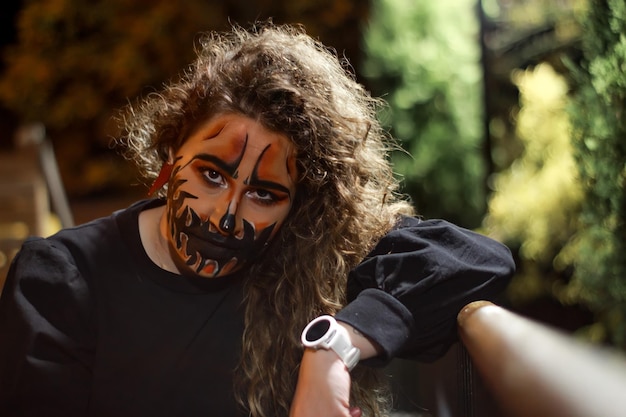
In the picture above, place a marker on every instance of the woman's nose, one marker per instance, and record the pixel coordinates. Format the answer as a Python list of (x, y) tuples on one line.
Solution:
[(227, 222)]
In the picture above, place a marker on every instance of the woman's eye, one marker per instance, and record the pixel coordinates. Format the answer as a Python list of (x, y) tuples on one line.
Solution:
[(263, 196), (212, 176)]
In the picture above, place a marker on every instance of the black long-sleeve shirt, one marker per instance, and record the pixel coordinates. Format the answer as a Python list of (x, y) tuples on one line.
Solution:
[(89, 325)]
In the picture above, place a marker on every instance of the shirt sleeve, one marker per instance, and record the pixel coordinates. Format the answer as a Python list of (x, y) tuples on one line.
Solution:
[(407, 292), (46, 351)]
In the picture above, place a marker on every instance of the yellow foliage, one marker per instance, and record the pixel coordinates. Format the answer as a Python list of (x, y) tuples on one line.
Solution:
[(535, 199)]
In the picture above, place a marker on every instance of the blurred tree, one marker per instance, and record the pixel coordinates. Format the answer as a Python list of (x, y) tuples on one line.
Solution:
[(599, 136), (571, 235), (8, 11), (537, 199), (424, 57), (517, 35), (76, 62)]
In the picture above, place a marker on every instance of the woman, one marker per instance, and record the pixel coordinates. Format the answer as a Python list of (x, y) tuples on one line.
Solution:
[(275, 205)]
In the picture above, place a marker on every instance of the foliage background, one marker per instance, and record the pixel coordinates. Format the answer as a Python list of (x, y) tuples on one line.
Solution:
[(424, 57), (512, 111), (562, 203), (599, 137), (74, 63)]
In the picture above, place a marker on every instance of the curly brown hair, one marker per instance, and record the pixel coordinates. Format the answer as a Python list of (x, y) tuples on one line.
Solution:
[(347, 196)]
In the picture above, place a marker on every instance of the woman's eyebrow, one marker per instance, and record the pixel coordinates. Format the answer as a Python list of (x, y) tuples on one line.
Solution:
[(255, 181), (259, 183), (229, 168)]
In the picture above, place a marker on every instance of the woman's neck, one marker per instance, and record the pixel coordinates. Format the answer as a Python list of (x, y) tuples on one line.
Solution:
[(153, 229)]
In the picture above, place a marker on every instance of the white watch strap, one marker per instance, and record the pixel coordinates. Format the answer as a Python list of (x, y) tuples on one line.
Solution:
[(325, 333)]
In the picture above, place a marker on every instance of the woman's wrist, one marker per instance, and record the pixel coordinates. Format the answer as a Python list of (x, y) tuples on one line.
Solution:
[(368, 347), (346, 342)]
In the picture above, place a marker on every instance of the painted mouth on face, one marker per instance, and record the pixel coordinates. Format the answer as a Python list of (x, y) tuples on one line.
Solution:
[(216, 251), (209, 253), (217, 240), (204, 258)]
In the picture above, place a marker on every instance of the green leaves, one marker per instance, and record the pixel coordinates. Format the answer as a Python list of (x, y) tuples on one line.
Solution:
[(424, 58)]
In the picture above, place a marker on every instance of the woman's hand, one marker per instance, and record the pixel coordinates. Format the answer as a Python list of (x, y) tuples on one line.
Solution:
[(323, 387)]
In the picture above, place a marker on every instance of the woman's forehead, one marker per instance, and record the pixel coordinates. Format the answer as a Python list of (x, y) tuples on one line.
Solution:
[(236, 129), (232, 137)]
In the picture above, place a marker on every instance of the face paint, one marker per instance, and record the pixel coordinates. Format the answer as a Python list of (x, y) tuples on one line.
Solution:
[(231, 189)]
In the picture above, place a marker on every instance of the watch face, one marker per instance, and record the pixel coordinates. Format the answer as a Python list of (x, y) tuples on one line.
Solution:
[(317, 331)]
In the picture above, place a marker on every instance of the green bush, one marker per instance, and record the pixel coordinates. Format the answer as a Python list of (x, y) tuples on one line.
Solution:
[(424, 58), (599, 137)]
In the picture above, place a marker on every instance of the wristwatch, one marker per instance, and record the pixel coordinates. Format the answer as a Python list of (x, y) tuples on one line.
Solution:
[(325, 333)]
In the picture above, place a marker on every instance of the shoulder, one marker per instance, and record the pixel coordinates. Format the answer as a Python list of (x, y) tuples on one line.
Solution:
[(414, 231), (45, 281), (434, 244), (42, 254), (102, 236), (411, 233), (45, 263), (47, 303), (73, 251)]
